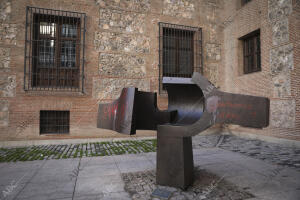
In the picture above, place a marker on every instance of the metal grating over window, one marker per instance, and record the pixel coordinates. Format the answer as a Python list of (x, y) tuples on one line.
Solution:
[(251, 52), (54, 50), (54, 122), (180, 51)]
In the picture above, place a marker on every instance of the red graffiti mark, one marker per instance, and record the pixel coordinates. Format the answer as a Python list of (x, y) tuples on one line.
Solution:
[(227, 115), (106, 111), (113, 109), (235, 105), (122, 111)]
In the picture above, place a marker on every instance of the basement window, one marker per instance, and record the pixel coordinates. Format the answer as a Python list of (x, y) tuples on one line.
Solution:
[(251, 52), (54, 50), (55, 122)]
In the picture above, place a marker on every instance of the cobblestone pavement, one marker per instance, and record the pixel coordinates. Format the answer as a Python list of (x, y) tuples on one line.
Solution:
[(140, 186), (271, 152), (43, 152)]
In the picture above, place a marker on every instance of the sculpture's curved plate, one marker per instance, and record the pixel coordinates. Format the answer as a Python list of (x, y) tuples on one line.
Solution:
[(219, 107)]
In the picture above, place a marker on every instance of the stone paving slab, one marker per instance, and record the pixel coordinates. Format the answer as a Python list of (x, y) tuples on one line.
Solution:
[(275, 153), (99, 185), (47, 190), (100, 177)]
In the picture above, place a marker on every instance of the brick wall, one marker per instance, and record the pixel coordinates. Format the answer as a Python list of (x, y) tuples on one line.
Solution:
[(278, 80)]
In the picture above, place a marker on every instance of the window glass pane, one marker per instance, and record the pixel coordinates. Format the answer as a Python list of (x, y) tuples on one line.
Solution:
[(46, 54), (47, 29), (185, 55), (69, 30), (246, 64), (252, 53), (185, 63), (68, 54), (169, 66)]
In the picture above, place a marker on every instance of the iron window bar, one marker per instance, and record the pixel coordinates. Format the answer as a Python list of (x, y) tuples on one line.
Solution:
[(54, 50), (180, 52)]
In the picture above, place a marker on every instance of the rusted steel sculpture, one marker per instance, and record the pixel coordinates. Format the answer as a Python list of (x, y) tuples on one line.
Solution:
[(193, 107)]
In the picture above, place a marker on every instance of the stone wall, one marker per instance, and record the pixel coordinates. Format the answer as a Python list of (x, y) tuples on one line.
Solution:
[(122, 65), (110, 88), (212, 46), (121, 21), (123, 46), (281, 64), (106, 41), (4, 59), (283, 113), (4, 113), (8, 33), (179, 8), (133, 5), (7, 86)]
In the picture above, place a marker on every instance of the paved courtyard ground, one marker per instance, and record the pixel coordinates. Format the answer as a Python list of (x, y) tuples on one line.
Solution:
[(226, 168)]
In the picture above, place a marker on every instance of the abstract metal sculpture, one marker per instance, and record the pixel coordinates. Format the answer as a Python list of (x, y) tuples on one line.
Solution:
[(193, 106)]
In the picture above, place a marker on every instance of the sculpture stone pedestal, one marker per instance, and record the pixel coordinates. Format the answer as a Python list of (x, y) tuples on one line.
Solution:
[(175, 164)]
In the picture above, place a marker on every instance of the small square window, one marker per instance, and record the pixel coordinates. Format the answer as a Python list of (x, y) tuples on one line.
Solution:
[(251, 52), (56, 122)]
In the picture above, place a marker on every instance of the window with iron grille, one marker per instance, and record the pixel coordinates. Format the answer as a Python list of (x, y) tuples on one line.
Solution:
[(54, 122), (251, 52), (180, 51), (54, 50), (245, 1)]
